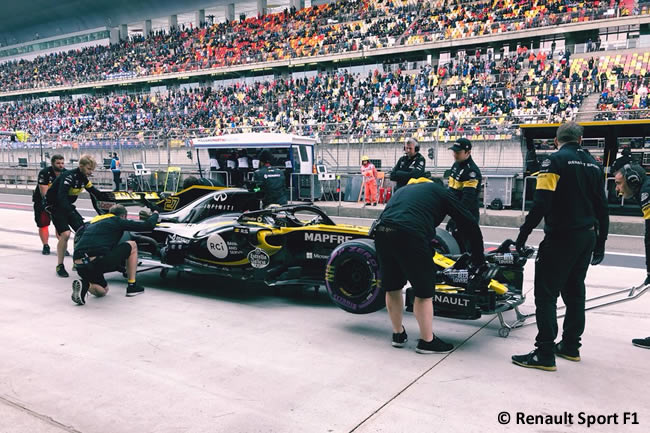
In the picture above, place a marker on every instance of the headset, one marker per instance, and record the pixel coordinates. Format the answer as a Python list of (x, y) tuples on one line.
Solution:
[(417, 145), (632, 178)]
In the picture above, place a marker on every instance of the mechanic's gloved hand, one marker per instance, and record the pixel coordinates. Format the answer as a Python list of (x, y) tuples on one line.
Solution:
[(520, 243), (599, 253), (144, 214)]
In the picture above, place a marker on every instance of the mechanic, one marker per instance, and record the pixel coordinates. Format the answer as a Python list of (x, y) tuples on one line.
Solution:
[(45, 178), (409, 166), (625, 158), (193, 180), (99, 250), (570, 197), (465, 177), (270, 181), (631, 181), (117, 170), (60, 201), (403, 235), (465, 183), (369, 173)]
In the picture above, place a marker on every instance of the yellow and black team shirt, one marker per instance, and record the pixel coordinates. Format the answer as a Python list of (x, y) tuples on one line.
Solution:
[(45, 177), (569, 195), (465, 182), (644, 201), (67, 187)]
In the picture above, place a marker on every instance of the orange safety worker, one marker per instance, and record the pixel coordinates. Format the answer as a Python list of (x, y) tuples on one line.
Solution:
[(369, 173)]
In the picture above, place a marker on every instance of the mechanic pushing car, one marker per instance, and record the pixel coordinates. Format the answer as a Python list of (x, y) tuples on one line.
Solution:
[(99, 250), (409, 166), (270, 180), (465, 183), (45, 179), (631, 181), (570, 196), (403, 235), (60, 201)]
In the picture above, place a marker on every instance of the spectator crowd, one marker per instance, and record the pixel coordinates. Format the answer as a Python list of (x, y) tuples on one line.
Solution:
[(338, 27)]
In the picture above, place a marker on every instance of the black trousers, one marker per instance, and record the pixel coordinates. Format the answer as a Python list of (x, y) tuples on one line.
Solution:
[(463, 241), (403, 256), (560, 269), (117, 180)]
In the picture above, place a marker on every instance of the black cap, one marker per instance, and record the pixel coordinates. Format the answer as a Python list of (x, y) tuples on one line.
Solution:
[(266, 156), (461, 144)]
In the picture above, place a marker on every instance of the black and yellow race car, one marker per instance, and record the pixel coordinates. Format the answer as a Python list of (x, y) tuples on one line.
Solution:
[(284, 245), (167, 203), (300, 245)]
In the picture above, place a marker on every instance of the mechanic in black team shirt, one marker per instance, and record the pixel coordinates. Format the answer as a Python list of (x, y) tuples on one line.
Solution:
[(270, 180), (465, 183), (570, 196), (45, 179), (99, 250), (631, 181), (60, 201), (409, 166), (403, 235)]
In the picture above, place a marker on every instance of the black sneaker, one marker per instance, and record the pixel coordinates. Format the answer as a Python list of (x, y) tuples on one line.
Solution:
[(565, 352), (61, 272), (642, 342), (134, 289), (400, 338), (532, 360), (79, 291), (434, 346), (46, 250), (67, 253), (374, 204)]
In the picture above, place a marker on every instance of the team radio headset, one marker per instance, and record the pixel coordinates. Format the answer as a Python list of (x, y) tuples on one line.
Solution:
[(632, 178)]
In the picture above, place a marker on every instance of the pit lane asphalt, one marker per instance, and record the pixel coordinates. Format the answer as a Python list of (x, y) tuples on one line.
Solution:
[(200, 355)]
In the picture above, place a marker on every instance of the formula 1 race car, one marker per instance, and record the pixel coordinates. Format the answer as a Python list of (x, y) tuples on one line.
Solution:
[(284, 245), (189, 206), (164, 203), (299, 245)]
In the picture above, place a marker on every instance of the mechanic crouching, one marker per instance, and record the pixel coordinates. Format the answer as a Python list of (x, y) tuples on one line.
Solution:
[(403, 235), (99, 250)]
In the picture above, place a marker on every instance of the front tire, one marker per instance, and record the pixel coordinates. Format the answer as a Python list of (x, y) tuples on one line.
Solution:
[(445, 243), (352, 277)]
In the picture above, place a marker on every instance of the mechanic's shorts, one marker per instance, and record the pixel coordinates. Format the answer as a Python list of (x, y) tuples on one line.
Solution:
[(41, 216), (404, 256), (94, 271), (64, 221)]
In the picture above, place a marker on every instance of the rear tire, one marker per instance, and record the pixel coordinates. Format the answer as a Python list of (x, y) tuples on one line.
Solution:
[(352, 277)]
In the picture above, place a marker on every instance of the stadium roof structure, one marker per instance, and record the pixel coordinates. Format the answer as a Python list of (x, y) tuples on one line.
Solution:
[(20, 21)]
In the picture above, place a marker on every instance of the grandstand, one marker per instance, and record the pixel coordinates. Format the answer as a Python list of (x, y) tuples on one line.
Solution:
[(358, 75)]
